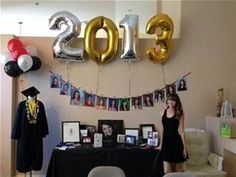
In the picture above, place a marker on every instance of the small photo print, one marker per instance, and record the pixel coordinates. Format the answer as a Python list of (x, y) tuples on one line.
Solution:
[(89, 100), (148, 100), (113, 104), (55, 81), (160, 96), (120, 138), (124, 104), (171, 88), (101, 103), (182, 84), (65, 88), (77, 96), (137, 103)]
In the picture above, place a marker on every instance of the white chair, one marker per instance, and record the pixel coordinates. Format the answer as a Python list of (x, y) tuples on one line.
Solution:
[(179, 174), (201, 162), (106, 171)]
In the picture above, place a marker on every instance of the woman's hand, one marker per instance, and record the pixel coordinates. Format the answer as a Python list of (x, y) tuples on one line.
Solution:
[(185, 153), (158, 148)]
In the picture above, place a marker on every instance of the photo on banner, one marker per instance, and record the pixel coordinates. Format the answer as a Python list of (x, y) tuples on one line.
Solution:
[(101, 103), (77, 96), (65, 88), (89, 100), (113, 104), (55, 81), (137, 103), (148, 100), (159, 96), (182, 84), (171, 88), (124, 104)]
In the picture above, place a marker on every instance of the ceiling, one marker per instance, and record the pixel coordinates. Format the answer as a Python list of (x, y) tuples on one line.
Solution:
[(34, 15)]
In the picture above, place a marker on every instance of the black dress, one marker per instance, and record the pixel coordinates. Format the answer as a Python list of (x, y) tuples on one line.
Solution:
[(29, 138), (172, 145)]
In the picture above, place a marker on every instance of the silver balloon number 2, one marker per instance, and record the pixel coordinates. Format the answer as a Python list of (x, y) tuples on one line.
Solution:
[(130, 39), (61, 50)]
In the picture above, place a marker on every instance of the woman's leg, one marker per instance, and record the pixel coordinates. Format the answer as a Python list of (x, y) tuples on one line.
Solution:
[(179, 167), (167, 167)]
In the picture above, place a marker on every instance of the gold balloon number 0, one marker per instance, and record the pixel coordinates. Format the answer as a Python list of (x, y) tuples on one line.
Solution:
[(163, 27), (112, 42)]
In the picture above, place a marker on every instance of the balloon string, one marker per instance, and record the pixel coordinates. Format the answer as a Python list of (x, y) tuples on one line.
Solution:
[(21, 86), (130, 77), (98, 77), (67, 70), (163, 75)]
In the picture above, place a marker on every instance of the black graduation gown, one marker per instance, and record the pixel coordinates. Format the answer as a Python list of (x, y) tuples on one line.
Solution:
[(29, 138)]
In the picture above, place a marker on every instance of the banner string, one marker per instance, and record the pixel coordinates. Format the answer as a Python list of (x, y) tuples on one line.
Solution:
[(98, 75)]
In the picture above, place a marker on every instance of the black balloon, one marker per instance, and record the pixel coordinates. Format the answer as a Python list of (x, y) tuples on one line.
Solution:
[(36, 63), (12, 69)]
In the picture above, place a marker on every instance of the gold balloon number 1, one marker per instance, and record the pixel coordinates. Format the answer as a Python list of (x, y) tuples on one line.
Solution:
[(163, 27)]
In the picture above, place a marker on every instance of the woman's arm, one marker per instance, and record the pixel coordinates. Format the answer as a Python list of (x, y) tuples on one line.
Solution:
[(182, 134), (161, 132)]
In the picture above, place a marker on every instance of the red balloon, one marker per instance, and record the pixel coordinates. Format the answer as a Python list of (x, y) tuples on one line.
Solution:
[(18, 52), (13, 44)]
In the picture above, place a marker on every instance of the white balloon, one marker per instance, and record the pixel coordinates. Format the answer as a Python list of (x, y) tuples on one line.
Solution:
[(32, 51), (5, 57), (25, 62)]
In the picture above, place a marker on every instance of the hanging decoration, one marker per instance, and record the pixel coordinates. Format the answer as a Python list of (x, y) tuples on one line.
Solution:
[(61, 49), (80, 97), (163, 27), (130, 47), (90, 37), (18, 60)]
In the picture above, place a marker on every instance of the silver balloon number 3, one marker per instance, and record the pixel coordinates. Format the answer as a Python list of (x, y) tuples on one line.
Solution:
[(130, 39), (72, 31)]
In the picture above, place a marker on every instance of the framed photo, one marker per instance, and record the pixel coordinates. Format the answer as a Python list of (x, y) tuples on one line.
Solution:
[(121, 138), (110, 129), (86, 140), (132, 132), (153, 140), (90, 128), (83, 132), (70, 131), (145, 128), (130, 140)]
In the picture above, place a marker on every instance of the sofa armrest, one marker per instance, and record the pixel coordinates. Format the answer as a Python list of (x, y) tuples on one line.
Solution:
[(215, 161)]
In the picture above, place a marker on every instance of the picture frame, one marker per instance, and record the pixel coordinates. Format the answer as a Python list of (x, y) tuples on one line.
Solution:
[(90, 128), (145, 128), (110, 129), (83, 133), (130, 140), (132, 132), (86, 140), (121, 138), (70, 131)]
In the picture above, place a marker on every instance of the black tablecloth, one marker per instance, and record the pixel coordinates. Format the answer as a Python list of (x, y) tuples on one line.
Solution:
[(135, 162)]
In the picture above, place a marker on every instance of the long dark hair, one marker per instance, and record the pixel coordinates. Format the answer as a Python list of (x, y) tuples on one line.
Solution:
[(178, 106)]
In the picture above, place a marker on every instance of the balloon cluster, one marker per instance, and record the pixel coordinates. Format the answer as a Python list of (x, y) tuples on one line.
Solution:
[(19, 59), (161, 25)]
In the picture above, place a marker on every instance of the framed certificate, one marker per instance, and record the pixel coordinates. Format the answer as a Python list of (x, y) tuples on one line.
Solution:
[(146, 129), (70, 131)]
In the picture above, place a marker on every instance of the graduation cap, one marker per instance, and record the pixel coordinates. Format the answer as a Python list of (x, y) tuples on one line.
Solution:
[(31, 91)]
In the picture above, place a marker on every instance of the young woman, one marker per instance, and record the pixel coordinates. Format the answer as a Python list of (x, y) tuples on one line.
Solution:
[(173, 142)]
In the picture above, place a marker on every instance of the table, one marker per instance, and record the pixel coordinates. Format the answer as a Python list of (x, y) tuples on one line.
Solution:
[(78, 162)]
